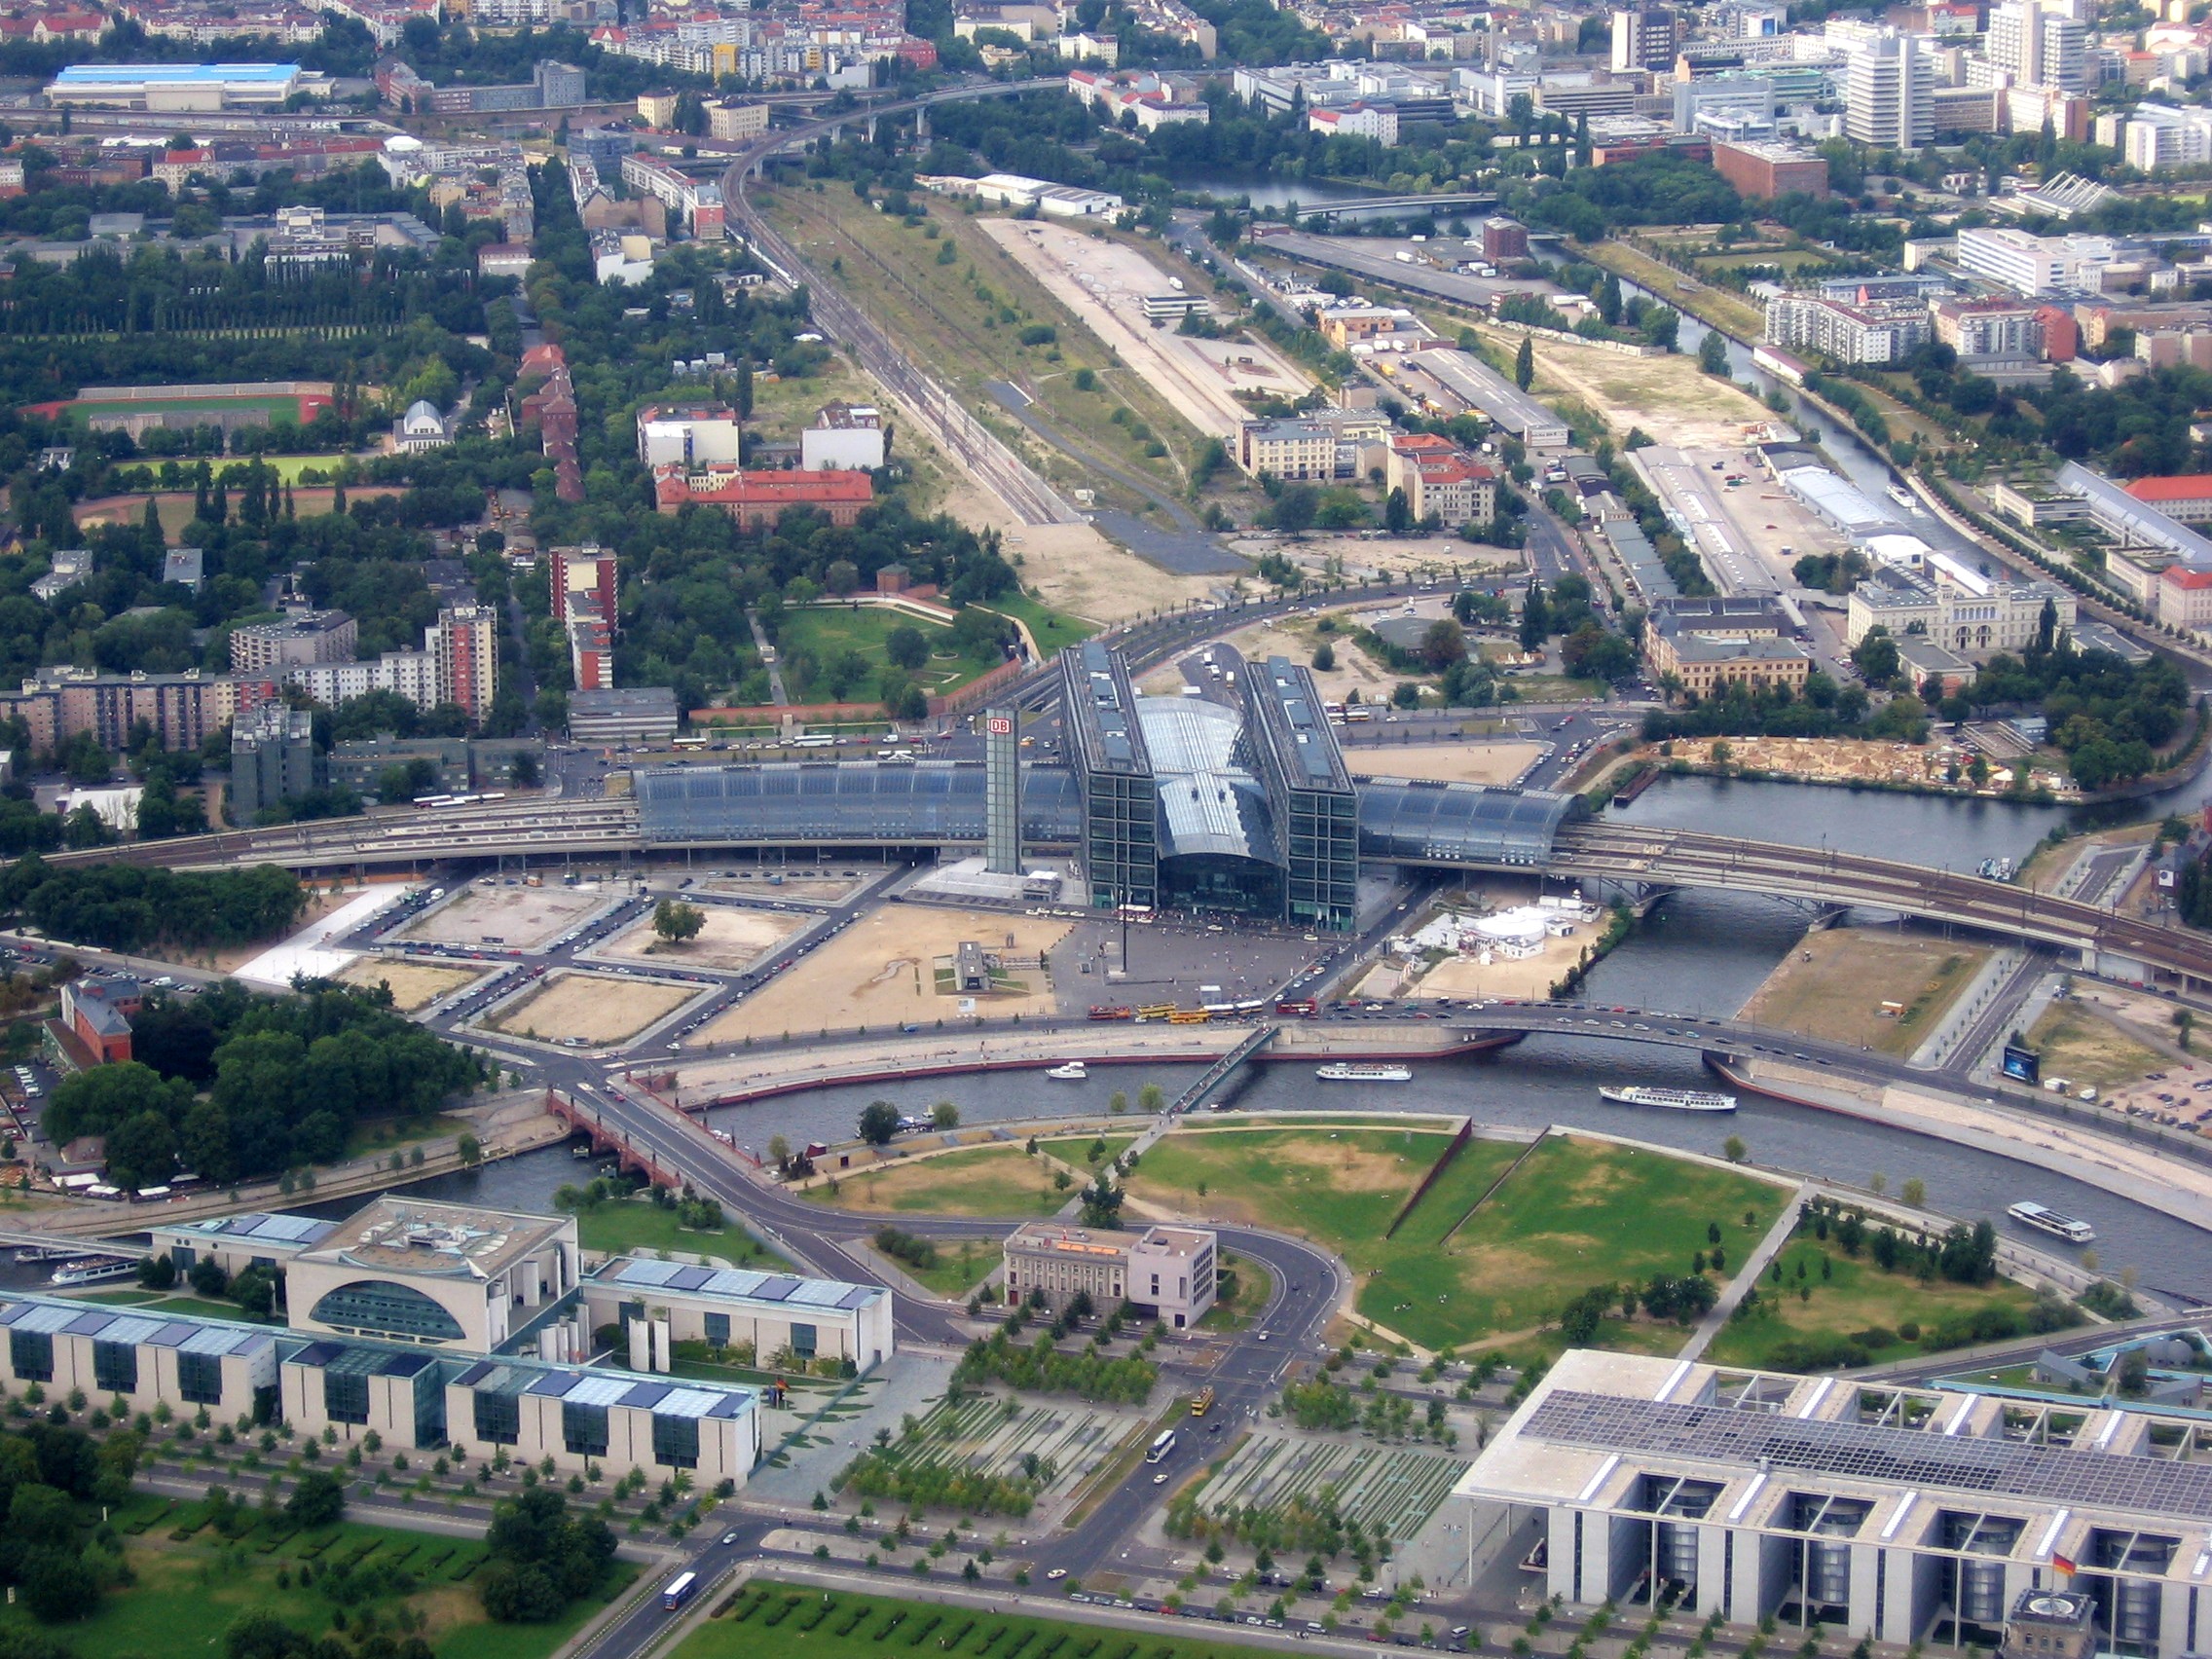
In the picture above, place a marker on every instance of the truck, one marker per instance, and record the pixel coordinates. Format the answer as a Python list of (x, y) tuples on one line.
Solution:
[(1403, 257)]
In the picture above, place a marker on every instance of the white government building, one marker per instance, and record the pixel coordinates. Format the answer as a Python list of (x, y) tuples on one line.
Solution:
[(1900, 1513), (439, 1324)]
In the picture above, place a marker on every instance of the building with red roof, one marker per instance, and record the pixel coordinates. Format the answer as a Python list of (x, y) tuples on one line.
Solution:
[(2187, 496), (756, 500), (2183, 598)]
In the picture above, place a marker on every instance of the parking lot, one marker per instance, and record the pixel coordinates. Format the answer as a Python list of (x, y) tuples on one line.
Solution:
[(588, 1009), (506, 914)]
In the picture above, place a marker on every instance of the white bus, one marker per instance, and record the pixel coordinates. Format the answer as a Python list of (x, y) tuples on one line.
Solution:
[(1161, 1447)]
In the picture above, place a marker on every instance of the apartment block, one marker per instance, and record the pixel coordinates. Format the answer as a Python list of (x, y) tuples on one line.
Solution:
[(463, 645)]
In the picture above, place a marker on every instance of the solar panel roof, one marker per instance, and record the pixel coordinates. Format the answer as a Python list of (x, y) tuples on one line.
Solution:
[(597, 1391), (736, 1284), (41, 1317), (132, 1330), (1903, 1457)]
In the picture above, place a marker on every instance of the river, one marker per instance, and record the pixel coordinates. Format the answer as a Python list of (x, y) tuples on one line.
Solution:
[(1698, 953)]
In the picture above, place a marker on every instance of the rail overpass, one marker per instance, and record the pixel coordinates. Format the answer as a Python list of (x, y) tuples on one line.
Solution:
[(937, 807)]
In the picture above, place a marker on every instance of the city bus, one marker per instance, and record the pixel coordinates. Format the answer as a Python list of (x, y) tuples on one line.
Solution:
[(1204, 1402), (1162, 1448), (687, 742), (679, 1590)]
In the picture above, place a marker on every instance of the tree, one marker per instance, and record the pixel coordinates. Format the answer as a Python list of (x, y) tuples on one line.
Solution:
[(1536, 618), (1101, 1204), (1734, 1150), (1296, 508), (944, 1115), (1524, 363), (677, 922), (1324, 656), (1875, 656), (907, 647), (1712, 352), (319, 1501), (779, 1151), (542, 1557), (1914, 1192), (1443, 644), (879, 1121)]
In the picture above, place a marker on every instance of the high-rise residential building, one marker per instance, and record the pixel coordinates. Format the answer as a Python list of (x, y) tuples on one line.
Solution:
[(1887, 94), (1644, 38), (582, 583), (304, 637), (464, 646)]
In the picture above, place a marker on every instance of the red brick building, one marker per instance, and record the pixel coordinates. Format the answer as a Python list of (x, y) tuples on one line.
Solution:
[(760, 499), (96, 1015), (1764, 171)]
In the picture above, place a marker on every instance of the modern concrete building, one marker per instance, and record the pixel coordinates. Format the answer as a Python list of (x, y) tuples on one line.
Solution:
[(235, 1242), (1309, 794), (437, 1275), (787, 1321), (639, 714), (146, 1359), (1762, 169), (179, 87), (1890, 1512), (1001, 790), (272, 760), (1167, 1271), (1873, 331), (1888, 92), (1120, 797), (845, 435)]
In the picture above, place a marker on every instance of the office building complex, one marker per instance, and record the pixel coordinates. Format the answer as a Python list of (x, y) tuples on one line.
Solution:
[(1120, 799), (272, 760), (787, 1321), (1168, 1271), (2028, 1523), (1644, 38), (638, 714), (1310, 794), (1877, 331), (1887, 94)]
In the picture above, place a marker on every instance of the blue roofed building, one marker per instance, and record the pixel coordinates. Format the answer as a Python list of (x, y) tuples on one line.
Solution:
[(788, 1322), (181, 87)]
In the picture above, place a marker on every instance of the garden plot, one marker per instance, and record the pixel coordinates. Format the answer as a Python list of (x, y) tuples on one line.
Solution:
[(983, 1436), (1381, 1487)]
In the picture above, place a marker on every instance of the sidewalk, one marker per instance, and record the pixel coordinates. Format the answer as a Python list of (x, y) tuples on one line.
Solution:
[(1780, 1234)]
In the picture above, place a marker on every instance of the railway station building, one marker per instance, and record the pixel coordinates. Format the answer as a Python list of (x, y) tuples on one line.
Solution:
[(1924, 1515)]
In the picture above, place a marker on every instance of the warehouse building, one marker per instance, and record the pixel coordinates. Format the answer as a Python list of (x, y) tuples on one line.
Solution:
[(1899, 1514)]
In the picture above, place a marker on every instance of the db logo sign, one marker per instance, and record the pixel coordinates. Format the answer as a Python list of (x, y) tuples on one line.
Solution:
[(1000, 725)]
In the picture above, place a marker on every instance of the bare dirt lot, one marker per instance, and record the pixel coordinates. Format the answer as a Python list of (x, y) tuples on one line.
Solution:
[(521, 917), (1445, 762), (1074, 566), (1670, 397), (732, 939), (1881, 988), (1105, 282), (414, 984), (883, 971), (599, 1007)]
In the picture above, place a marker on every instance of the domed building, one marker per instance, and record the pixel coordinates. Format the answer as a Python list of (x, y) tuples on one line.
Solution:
[(421, 427)]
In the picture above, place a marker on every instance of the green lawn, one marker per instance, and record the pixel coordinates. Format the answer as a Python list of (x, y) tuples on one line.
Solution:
[(1245, 1286), (385, 1135), (823, 633), (204, 1584), (629, 1226), (996, 1180), (154, 1300), (854, 1628), (1053, 628), (1578, 1214), (961, 1266), (1855, 1299), (1074, 1150)]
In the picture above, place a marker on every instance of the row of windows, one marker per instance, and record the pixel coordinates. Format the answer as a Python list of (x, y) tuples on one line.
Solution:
[(345, 1396), (498, 1418), (30, 1356), (583, 1429), (199, 1377), (380, 1308), (115, 1367), (676, 1442)]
